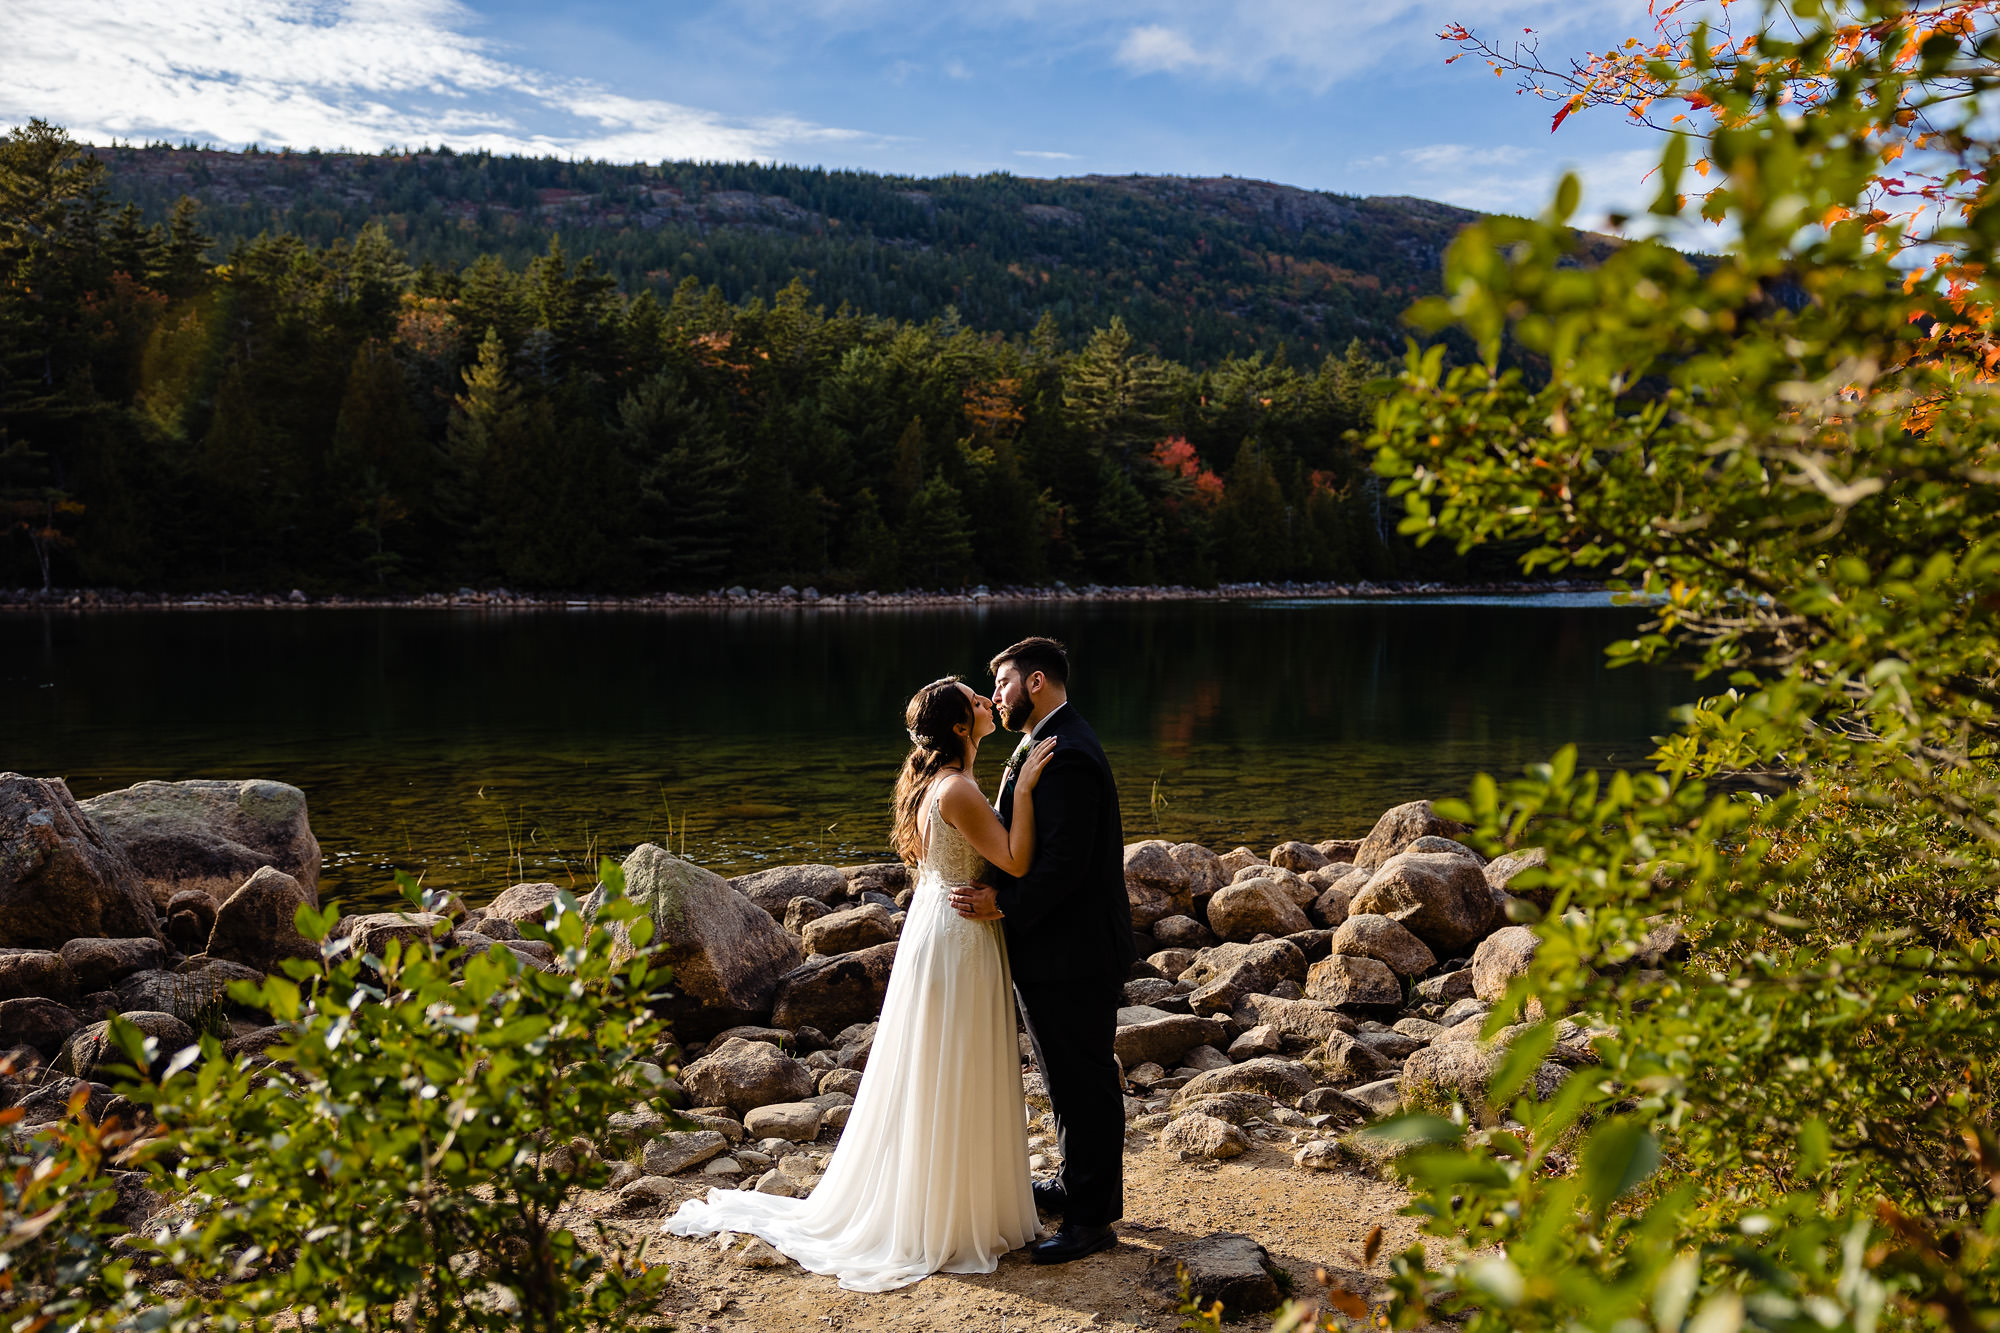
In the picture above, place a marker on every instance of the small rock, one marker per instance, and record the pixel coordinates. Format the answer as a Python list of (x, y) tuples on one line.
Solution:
[(1264, 1039), (644, 1192), (1280, 1080), (34, 1021), (1321, 1155), (1348, 1060), (801, 912), (1201, 1059), (796, 1121), (1366, 935), (1383, 1097), (723, 1166), (1445, 988), (254, 925), (777, 1182), (671, 1153), (1464, 1010), (744, 1075), (1226, 1267), (1198, 1136), (1398, 827), (844, 932), (1297, 856), (1253, 907), (757, 1252), (1501, 957), (1354, 983), (1340, 1107), (846, 1081)]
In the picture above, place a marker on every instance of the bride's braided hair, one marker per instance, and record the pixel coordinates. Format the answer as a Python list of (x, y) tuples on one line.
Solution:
[(934, 746)]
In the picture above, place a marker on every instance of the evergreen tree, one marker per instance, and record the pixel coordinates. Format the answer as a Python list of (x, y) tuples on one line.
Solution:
[(936, 540), (690, 484), (380, 461), (1253, 523)]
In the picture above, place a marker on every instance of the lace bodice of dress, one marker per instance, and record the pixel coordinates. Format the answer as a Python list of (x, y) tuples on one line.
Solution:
[(948, 854)]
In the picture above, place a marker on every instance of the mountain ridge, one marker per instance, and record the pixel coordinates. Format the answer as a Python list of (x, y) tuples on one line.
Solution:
[(1198, 267)]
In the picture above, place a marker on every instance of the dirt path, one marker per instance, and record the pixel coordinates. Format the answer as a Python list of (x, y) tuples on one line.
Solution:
[(1305, 1219)]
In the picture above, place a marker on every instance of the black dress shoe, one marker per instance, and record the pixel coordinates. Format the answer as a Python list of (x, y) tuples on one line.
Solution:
[(1072, 1242), (1050, 1197)]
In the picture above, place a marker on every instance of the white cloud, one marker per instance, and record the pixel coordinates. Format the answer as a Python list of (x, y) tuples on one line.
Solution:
[(1153, 48), (360, 74), (1511, 178), (1048, 154)]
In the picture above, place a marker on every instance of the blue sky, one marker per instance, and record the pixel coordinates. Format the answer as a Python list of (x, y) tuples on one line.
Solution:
[(1327, 94)]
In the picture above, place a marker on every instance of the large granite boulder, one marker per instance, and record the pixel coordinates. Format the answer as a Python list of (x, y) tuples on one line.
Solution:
[(417, 931), (1281, 1080), (744, 1075), (210, 834), (1194, 1136), (1301, 857), (60, 877), (1164, 1040), (1441, 898), (1397, 829), (1149, 904), (1364, 985), (256, 925), (1249, 908), (1222, 976), (1157, 882), (1462, 1071), (38, 1022), (1365, 935), (843, 932), (836, 992), (774, 889), (90, 1050), (1502, 871), (1206, 872), (727, 953), (1502, 956), (1299, 1022), (523, 902), (29, 972), (101, 964)]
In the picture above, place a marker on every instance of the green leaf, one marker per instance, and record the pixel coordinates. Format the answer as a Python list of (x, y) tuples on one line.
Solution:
[(1619, 1154), (1415, 1127)]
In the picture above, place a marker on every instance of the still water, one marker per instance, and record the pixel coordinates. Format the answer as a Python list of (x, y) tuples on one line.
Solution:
[(477, 748)]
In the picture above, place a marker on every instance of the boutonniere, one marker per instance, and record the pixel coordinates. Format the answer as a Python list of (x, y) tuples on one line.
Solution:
[(1019, 757)]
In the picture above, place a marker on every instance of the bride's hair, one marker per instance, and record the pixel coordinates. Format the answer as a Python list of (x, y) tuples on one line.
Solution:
[(934, 746)]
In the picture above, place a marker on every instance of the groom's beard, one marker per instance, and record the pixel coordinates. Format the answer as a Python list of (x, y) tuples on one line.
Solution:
[(1015, 715)]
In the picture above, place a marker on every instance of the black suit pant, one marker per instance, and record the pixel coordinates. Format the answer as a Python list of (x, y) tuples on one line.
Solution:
[(1071, 1025)]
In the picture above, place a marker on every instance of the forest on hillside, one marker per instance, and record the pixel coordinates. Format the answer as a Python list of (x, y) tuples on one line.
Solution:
[(1198, 269), (333, 416)]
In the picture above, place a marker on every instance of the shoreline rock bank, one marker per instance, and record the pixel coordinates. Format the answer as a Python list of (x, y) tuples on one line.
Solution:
[(112, 599)]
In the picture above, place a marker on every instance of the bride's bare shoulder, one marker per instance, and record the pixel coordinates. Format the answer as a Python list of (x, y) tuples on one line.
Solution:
[(958, 791)]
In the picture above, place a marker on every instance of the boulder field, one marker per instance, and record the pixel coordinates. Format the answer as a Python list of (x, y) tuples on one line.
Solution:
[(1281, 996)]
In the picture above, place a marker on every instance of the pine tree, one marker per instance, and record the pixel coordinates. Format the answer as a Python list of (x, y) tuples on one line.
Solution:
[(1253, 523), (1119, 400), (380, 464), (690, 484), (936, 540)]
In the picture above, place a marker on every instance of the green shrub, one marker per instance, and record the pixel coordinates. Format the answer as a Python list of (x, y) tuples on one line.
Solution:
[(1789, 451), (404, 1162)]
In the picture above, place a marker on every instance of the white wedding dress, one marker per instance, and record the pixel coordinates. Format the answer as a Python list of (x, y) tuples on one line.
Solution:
[(931, 1174)]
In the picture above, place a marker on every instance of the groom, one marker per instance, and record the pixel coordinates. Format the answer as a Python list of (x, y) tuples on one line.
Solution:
[(1069, 940)]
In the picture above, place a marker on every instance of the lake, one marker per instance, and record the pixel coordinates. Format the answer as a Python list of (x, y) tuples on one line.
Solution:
[(479, 748)]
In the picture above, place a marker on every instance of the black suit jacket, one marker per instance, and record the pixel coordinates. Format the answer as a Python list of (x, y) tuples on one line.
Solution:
[(1068, 918)]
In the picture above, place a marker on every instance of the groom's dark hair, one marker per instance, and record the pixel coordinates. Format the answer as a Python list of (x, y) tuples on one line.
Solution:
[(1032, 655)]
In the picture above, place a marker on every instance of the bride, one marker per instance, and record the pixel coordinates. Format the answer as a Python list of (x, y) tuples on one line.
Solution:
[(931, 1174)]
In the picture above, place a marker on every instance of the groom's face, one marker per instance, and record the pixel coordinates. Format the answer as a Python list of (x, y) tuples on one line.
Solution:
[(1011, 697)]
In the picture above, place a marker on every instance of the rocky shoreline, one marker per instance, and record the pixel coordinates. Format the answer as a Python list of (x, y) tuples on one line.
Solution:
[(1284, 998), (112, 599)]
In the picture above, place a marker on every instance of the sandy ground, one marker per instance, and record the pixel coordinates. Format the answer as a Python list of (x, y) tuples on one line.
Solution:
[(1307, 1220)]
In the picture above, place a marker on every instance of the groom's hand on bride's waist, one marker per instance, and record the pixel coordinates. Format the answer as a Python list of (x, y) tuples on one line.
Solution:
[(975, 902)]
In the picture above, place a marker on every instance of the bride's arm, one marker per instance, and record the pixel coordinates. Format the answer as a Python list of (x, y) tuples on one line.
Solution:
[(1009, 847)]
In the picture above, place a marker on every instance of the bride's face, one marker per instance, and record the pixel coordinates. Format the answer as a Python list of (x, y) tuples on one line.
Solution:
[(982, 713)]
